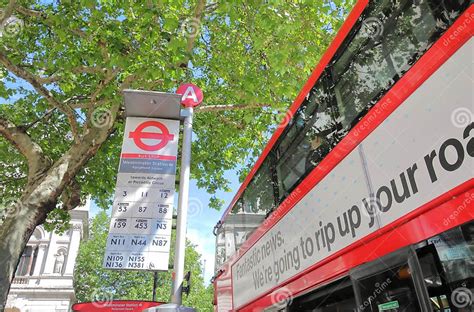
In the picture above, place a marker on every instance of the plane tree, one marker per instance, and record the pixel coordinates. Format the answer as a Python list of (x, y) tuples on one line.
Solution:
[(64, 65)]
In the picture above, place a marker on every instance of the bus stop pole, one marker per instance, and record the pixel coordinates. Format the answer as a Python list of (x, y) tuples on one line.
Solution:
[(180, 246)]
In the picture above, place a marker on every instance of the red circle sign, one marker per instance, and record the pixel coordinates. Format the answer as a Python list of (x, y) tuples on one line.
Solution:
[(138, 135), (191, 95)]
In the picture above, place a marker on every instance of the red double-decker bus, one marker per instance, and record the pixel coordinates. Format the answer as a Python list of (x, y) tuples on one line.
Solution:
[(363, 198)]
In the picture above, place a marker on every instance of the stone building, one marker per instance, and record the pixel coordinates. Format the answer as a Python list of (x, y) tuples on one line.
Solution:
[(44, 277)]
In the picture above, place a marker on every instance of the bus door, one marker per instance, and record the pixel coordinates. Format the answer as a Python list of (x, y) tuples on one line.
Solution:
[(435, 280), (447, 266), (392, 283)]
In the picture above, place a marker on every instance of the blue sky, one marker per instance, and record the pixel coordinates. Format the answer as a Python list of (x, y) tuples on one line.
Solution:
[(201, 220)]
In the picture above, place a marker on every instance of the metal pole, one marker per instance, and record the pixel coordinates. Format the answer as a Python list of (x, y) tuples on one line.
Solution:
[(155, 285), (182, 207)]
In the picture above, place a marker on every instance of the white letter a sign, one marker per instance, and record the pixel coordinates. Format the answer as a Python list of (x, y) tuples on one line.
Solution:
[(189, 94)]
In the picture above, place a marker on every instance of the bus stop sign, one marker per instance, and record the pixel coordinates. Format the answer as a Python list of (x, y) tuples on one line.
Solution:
[(191, 95), (163, 138)]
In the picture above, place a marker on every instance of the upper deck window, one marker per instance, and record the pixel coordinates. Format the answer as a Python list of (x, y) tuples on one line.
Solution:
[(313, 129), (384, 45), (393, 36), (390, 36), (259, 196)]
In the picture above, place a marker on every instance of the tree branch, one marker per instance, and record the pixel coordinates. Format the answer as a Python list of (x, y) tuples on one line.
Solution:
[(198, 12), (29, 12), (78, 32), (31, 124), (37, 162), (44, 17), (217, 108), (127, 82), (86, 105), (211, 7), (77, 70), (102, 84), (48, 80), (7, 11), (61, 173), (22, 73), (231, 123), (71, 196)]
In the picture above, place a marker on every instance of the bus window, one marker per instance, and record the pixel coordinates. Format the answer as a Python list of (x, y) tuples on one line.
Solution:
[(391, 290), (259, 195), (338, 296), (295, 126), (238, 207), (456, 251), (388, 283), (311, 139), (434, 279), (322, 129), (376, 55), (393, 38), (448, 269)]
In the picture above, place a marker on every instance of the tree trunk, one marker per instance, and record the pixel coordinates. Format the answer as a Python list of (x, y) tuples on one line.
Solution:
[(15, 232), (42, 193)]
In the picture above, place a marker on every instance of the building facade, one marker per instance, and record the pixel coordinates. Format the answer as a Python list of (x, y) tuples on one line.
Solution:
[(44, 277), (233, 233)]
